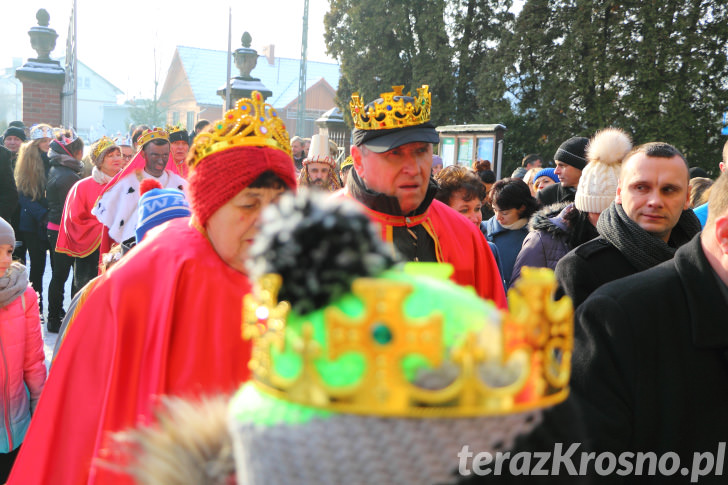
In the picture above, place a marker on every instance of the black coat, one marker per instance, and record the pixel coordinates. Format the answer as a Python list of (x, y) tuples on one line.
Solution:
[(555, 193), (8, 190), (650, 364), (60, 181), (589, 266)]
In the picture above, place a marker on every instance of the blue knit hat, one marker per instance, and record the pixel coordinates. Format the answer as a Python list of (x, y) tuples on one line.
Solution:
[(549, 172), (157, 205)]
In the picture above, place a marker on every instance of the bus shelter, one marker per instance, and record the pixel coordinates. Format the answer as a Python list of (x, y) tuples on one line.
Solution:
[(463, 144)]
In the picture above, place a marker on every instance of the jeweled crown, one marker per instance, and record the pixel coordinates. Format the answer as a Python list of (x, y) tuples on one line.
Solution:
[(251, 123), (393, 111), (522, 362), (151, 134), (175, 128), (102, 144)]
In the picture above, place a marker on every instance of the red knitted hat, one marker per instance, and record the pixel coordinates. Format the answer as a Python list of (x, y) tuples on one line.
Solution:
[(223, 174)]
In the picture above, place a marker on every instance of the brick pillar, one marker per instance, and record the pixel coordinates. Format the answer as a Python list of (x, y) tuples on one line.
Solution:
[(41, 96), (42, 77)]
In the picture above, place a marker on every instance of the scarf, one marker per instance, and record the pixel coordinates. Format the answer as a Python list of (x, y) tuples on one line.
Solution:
[(13, 284), (100, 177), (516, 225), (642, 249)]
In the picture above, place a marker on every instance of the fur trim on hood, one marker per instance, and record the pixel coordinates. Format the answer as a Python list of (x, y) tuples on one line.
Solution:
[(542, 220), (189, 444)]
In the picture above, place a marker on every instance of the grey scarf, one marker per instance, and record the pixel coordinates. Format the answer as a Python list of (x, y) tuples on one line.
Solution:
[(642, 249), (13, 284)]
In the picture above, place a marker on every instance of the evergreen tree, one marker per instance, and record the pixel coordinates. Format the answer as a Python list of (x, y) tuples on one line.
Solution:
[(656, 69), (392, 42), (561, 68)]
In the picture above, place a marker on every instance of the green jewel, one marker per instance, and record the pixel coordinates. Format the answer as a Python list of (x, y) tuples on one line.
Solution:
[(381, 334)]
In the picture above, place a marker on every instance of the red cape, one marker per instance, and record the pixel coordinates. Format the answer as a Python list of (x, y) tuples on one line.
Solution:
[(80, 232), (457, 241), (165, 320), (182, 169)]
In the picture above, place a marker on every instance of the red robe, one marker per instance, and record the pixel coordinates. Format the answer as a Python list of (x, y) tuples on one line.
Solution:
[(182, 169), (80, 232), (165, 320), (457, 241)]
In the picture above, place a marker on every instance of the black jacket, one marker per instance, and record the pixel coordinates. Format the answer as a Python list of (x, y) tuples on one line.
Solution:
[(556, 193), (8, 190), (60, 181), (650, 363), (589, 266), (596, 262)]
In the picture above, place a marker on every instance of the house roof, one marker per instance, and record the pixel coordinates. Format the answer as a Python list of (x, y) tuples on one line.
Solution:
[(116, 90), (206, 70)]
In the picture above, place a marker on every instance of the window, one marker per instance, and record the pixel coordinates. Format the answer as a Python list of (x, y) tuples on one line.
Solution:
[(175, 117), (485, 149), (190, 120), (465, 151), (448, 151)]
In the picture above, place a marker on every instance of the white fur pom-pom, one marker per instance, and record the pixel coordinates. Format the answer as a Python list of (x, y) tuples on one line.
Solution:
[(608, 146)]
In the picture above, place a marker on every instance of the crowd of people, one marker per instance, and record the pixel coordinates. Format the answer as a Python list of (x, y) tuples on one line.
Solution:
[(158, 230)]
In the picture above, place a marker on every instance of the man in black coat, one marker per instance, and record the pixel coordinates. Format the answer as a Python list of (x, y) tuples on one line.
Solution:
[(650, 366), (570, 160), (645, 225), (8, 191)]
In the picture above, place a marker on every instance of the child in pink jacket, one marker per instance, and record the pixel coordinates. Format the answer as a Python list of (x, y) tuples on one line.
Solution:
[(22, 367)]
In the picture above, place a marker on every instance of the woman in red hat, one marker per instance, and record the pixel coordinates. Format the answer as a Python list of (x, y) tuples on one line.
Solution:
[(167, 318)]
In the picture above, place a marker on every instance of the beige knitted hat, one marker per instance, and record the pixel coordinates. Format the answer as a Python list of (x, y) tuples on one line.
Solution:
[(598, 183)]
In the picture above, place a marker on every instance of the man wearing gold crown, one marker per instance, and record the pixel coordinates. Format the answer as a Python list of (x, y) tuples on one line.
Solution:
[(392, 155), (166, 319), (116, 207), (319, 167), (179, 145)]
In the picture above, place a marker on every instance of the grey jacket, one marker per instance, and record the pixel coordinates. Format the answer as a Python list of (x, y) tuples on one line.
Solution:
[(546, 242)]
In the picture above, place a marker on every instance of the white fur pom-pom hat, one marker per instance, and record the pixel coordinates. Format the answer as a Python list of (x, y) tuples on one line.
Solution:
[(598, 183)]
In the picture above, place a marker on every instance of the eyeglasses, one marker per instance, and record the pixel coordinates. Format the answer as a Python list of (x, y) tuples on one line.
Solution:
[(126, 157)]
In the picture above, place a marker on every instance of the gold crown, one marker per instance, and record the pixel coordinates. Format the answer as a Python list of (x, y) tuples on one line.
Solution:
[(175, 128), (390, 112), (251, 123), (152, 134), (524, 363), (102, 144)]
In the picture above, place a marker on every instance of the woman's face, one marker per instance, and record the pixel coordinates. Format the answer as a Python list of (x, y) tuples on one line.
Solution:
[(506, 217), (468, 208), (112, 163), (44, 144), (233, 226), (542, 182)]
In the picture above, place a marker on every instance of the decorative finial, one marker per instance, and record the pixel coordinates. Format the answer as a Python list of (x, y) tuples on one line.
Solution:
[(246, 39), (43, 17)]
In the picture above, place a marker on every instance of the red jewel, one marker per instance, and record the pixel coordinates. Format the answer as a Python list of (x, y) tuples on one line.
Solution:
[(230, 117)]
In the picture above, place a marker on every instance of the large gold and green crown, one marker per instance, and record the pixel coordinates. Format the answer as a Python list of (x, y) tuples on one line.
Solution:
[(406, 346), (392, 110), (251, 123)]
